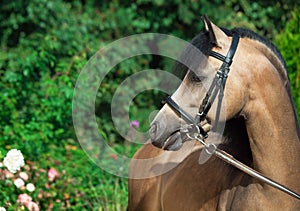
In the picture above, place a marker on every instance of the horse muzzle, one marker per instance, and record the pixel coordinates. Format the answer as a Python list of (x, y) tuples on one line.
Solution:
[(171, 137), (166, 139)]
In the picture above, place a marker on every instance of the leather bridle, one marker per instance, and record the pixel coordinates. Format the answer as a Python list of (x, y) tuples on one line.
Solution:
[(195, 130)]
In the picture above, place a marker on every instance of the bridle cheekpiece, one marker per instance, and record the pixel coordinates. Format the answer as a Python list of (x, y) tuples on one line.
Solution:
[(217, 86)]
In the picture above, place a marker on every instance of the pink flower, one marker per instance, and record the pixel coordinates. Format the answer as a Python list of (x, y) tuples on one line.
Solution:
[(24, 199), (8, 174), (52, 174), (32, 206), (50, 206), (135, 124), (47, 185), (114, 156)]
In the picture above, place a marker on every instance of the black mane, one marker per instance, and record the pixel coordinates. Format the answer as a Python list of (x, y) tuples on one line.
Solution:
[(242, 32), (203, 43)]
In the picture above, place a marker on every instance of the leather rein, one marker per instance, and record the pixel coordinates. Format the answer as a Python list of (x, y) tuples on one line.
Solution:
[(195, 130)]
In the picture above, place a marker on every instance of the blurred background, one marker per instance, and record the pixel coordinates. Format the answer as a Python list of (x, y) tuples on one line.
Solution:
[(44, 46)]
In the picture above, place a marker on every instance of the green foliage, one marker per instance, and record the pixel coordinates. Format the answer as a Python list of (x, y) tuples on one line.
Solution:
[(44, 46), (39, 68), (288, 41)]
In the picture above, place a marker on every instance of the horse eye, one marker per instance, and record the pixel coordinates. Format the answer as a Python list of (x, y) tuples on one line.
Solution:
[(194, 78)]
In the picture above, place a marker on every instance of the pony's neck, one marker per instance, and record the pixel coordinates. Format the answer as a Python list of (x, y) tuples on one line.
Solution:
[(272, 129)]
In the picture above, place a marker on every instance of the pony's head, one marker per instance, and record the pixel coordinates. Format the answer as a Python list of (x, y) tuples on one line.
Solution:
[(165, 131)]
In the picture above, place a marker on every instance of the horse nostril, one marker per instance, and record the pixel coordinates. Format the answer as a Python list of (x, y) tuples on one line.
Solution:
[(158, 133), (153, 131)]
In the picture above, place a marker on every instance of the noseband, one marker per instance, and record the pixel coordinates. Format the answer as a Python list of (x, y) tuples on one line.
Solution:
[(195, 130)]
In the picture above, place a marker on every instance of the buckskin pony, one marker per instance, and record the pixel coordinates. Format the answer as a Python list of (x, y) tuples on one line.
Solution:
[(260, 129)]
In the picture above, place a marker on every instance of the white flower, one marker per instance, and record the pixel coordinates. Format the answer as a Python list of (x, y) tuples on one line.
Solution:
[(1, 165), (14, 160), (30, 187), (2, 209), (19, 182), (24, 175)]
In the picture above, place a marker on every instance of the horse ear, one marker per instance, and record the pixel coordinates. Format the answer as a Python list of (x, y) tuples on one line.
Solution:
[(217, 36)]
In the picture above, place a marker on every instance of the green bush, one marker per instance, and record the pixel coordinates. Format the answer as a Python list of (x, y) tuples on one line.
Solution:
[(40, 61), (288, 41)]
